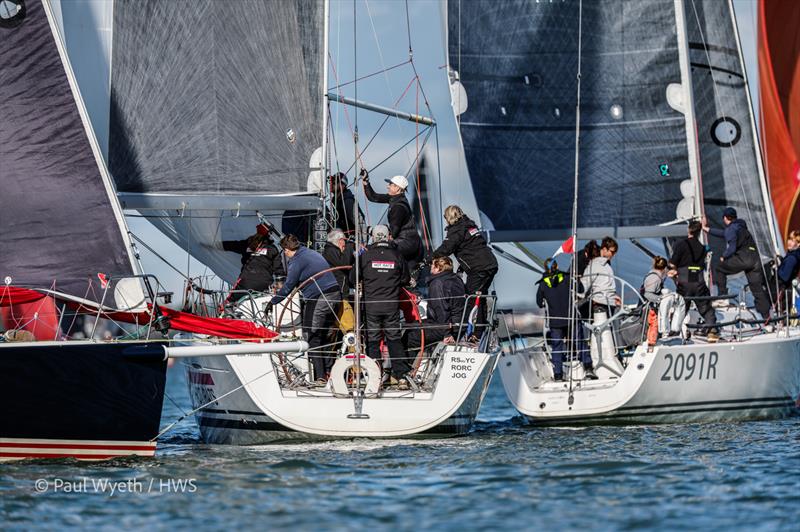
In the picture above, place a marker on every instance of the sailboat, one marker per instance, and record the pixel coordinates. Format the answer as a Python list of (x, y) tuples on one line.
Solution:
[(216, 124), (625, 119), (66, 263)]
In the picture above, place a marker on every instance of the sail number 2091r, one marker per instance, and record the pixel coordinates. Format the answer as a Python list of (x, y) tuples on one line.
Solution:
[(685, 367)]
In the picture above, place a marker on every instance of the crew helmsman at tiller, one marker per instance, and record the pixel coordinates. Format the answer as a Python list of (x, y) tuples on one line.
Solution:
[(383, 273), (465, 241)]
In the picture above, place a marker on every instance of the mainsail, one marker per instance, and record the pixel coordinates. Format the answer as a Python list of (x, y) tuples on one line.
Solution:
[(61, 224), (729, 157), (517, 61), (216, 110)]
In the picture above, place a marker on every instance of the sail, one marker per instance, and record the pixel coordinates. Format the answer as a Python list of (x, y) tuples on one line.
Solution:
[(779, 73), (518, 62), (60, 222), (729, 158), (216, 108)]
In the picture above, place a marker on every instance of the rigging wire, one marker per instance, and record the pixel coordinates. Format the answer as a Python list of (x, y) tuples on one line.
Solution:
[(573, 279)]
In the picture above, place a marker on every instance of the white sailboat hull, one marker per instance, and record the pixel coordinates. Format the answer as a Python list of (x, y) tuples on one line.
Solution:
[(698, 382), (260, 411)]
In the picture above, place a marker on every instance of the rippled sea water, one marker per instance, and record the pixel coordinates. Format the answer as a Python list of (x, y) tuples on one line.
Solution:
[(503, 475)]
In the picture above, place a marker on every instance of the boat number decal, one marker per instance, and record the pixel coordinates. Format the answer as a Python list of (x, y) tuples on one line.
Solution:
[(701, 367), (461, 367)]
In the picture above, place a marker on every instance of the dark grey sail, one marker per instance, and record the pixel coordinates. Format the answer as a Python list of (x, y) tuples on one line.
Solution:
[(219, 100), (517, 61), (58, 225), (730, 169)]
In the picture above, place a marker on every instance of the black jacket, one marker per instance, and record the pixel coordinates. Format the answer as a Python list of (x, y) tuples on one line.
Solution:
[(466, 242), (554, 289), (345, 215), (401, 223), (337, 257), (259, 267), (689, 258), (383, 273), (446, 299)]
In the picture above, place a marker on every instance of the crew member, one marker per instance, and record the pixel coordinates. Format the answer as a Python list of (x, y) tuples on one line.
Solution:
[(554, 290), (344, 203), (686, 265), (402, 228), (650, 291), (598, 279), (740, 255), (339, 252), (261, 260), (321, 296), (465, 241), (789, 267), (445, 312), (383, 272)]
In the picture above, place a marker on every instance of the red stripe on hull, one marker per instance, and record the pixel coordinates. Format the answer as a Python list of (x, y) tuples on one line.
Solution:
[(62, 455), (90, 446)]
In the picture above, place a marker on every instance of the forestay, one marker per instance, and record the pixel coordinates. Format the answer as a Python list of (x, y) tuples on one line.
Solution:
[(60, 222), (216, 107), (517, 61)]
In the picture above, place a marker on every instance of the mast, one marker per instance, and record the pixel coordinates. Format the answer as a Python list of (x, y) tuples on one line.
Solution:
[(688, 107), (325, 189)]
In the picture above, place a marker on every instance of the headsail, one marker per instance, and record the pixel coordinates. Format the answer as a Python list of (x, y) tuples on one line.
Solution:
[(60, 220), (517, 61), (779, 66), (730, 161), (215, 107)]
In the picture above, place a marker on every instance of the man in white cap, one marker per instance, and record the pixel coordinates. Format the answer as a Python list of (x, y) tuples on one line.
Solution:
[(383, 273), (402, 227)]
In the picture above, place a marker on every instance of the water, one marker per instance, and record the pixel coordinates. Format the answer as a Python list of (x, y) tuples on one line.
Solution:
[(505, 474)]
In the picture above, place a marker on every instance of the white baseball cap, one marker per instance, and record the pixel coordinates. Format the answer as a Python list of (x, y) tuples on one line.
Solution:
[(399, 180)]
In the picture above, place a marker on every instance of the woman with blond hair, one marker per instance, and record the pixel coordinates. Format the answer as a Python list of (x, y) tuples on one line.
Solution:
[(466, 242)]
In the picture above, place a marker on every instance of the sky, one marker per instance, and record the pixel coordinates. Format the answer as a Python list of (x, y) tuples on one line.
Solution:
[(382, 39)]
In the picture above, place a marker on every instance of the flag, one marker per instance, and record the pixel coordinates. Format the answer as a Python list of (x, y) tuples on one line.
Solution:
[(103, 280), (567, 247)]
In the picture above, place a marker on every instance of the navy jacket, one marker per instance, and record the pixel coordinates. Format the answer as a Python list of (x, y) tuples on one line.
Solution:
[(446, 299), (790, 267), (302, 266), (737, 238), (554, 289)]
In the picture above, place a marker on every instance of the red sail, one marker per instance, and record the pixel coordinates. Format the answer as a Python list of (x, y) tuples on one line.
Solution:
[(779, 76)]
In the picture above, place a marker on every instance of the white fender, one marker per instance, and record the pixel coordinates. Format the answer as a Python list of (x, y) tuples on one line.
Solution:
[(348, 361)]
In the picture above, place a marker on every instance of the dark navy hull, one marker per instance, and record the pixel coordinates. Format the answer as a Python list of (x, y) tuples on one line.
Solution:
[(79, 399)]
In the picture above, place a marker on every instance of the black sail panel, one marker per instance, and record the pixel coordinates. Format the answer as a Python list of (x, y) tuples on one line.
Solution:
[(728, 158), (57, 224), (518, 62), (211, 97)]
